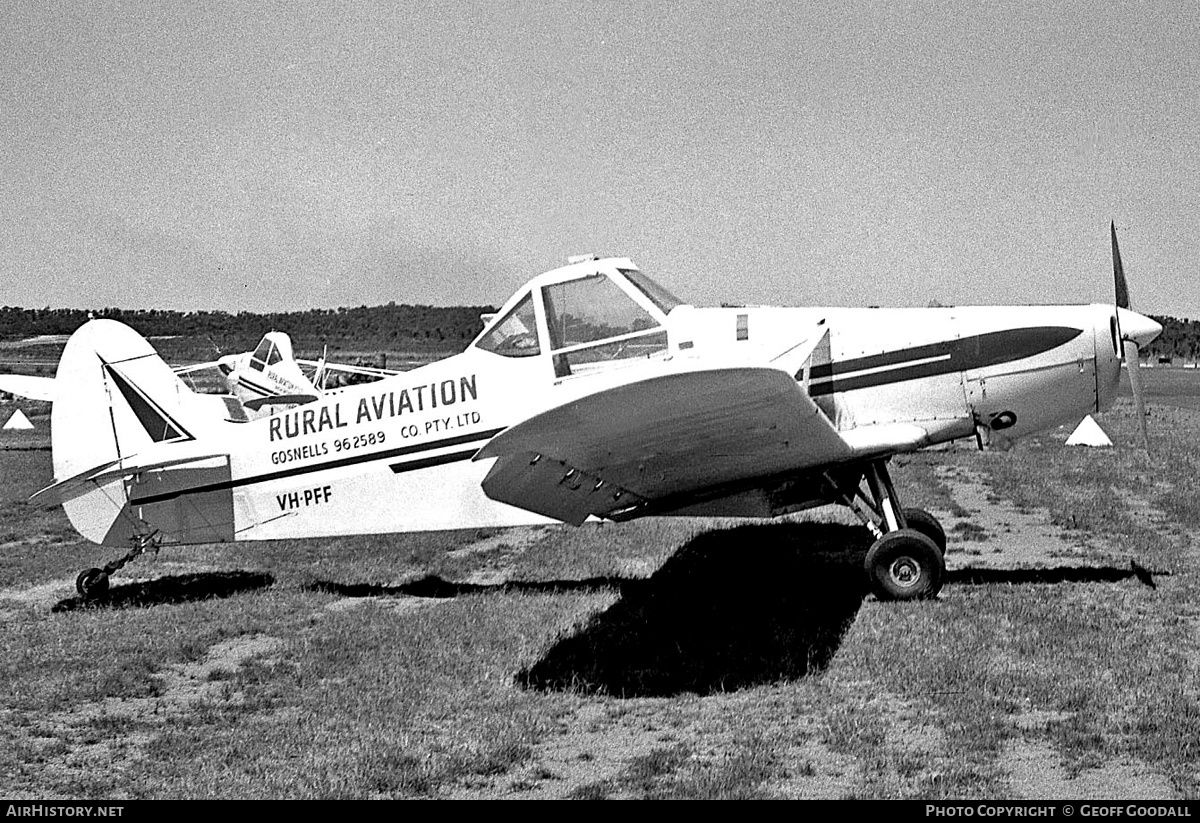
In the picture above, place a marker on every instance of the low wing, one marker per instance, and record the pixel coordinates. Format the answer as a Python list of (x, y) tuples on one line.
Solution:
[(369, 371), (658, 438), (330, 375), (194, 367), (279, 400), (33, 388)]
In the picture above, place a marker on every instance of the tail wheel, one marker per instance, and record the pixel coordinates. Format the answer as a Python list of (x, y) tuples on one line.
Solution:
[(92, 583), (928, 525), (905, 565)]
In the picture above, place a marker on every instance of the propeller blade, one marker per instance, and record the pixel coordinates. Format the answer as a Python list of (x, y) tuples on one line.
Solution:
[(1119, 272), (1133, 329), (1135, 382)]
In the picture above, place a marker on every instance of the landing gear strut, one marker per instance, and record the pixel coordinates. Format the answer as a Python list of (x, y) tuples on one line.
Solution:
[(92, 584), (906, 561)]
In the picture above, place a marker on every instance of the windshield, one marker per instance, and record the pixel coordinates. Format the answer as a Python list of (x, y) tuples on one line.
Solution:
[(658, 295), (516, 334)]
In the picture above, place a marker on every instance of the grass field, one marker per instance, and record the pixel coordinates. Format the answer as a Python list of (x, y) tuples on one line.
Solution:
[(656, 659)]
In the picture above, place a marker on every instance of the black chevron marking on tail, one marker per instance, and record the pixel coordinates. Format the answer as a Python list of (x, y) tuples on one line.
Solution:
[(158, 424)]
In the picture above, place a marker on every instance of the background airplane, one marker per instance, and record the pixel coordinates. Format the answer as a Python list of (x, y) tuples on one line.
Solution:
[(267, 376), (271, 376), (594, 393)]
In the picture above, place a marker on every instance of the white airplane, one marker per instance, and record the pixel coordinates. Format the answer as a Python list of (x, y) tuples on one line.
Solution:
[(267, 376), (592, 394), (271, 376)]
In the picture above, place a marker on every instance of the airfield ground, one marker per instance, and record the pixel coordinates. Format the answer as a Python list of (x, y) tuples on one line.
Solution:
[(680, 658)]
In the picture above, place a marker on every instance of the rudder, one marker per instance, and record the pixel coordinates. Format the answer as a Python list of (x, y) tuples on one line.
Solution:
[(117, 398)]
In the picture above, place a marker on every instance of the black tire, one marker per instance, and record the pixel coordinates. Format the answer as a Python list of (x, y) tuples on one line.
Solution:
[(905, 565), (92, 584), (928, 525)]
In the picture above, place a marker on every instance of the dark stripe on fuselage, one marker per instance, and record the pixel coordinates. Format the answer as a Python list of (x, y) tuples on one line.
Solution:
[(253, 387), (945, 357), (337, 464), (437, 460)]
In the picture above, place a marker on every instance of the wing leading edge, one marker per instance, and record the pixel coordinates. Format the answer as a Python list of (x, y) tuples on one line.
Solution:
[(668, 435)]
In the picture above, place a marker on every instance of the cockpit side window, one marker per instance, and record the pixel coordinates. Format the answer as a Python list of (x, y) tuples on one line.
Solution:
[(259, 358), (264, 348), (516, 334), (594, 323), (590, 309)]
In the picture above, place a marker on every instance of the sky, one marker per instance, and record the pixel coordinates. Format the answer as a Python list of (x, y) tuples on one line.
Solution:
[(275, 156)]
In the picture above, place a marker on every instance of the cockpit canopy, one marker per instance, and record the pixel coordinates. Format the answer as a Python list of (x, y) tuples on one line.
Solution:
[(274, 347), (584, 316)]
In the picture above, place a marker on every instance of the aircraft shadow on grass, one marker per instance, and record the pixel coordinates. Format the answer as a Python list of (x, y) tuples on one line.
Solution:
[(1055, 574), (435, 587), (732, 608), (181, 588)]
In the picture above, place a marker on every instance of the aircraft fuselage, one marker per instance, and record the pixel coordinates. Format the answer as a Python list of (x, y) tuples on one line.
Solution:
[(404, 445), (397, 454)]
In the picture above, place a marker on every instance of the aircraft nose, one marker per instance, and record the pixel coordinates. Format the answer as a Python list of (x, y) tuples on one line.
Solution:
[(1137, 327)]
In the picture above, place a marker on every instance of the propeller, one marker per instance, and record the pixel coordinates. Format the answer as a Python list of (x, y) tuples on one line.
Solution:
[(1134, 330)]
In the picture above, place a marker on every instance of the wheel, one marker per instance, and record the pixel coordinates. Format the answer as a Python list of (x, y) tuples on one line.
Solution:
[(92, 583), (928, 525), (905, 565)]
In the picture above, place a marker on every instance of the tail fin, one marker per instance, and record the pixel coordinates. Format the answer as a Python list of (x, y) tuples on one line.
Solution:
[(117, 400)]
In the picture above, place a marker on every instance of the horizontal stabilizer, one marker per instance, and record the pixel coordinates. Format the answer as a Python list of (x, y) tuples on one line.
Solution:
[(69, 489), (90, 479)]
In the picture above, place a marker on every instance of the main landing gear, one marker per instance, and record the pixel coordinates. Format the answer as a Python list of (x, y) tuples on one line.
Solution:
[(92, 584), (907, 559)]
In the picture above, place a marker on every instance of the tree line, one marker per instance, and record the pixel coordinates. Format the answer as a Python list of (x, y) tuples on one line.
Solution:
[(421, 328), (1180, 340)]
